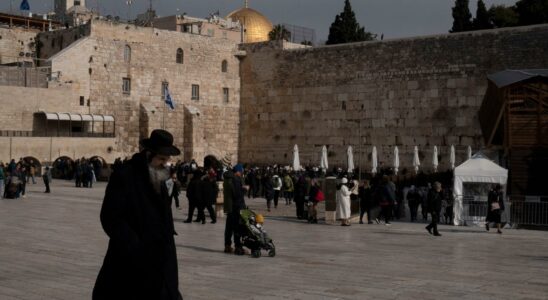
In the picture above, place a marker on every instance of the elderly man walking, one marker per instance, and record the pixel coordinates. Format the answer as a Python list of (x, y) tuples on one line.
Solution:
[(141, 260)]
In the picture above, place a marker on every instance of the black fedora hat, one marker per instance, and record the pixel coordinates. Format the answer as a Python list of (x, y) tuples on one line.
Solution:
[(160, 142)]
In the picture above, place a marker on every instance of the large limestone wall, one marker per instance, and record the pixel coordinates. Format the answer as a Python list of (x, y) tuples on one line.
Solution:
[(422, 91), (16, 45), (52, 42)]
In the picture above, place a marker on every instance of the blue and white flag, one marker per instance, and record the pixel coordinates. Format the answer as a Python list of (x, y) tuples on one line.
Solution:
[(24, 5), (169, 100)]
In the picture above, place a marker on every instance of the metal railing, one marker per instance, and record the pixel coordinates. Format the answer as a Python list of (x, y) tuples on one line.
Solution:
[(516, 212), (529, 213), (22, 133)]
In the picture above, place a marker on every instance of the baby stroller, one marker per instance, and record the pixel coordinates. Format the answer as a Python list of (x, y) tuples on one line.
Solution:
[(252, 234), (12, 189)]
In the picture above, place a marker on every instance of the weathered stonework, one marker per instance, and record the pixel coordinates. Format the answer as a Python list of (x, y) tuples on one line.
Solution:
[(16, 45), (421, 91), (98, 53)]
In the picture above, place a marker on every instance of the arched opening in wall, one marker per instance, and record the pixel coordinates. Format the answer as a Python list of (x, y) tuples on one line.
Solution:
[(180, 56), (127, 53), (34, 165), (224, 66), (210, 161), (100, 167), (63, 168)]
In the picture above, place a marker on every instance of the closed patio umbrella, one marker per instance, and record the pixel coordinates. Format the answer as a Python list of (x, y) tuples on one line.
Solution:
[(452, 157), (416, 159), (435, 159), (469, 151), (296, 160), (350, 157), (374, 161), (324, 165), (396, 160)]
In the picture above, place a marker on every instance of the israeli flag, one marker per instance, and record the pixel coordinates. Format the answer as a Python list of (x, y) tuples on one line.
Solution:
[(24, 5), (169, 100)]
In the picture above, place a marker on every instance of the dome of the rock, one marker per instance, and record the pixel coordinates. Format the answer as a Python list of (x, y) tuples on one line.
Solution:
[(256, 25)]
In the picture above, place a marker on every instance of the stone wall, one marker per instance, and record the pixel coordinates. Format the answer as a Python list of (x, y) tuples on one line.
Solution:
[(16, 45), (52, 42), (421, 91), (94, 67)]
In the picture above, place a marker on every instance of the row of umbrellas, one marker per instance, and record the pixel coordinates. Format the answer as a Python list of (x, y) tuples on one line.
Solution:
[(324, 165)]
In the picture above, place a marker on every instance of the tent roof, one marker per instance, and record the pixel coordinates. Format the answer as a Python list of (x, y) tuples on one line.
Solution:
[(508, 77), (478, 167)]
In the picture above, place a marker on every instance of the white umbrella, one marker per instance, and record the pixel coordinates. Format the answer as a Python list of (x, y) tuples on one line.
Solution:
[(296, 160), (396, 160), (374, 160), (416, 159), (469, 152), (452, 157), (323, 162), (435, 159), (350, 157)]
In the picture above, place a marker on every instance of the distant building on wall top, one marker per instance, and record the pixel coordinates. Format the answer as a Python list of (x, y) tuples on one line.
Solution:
[(214, 26), (72, 12), (256, 25)]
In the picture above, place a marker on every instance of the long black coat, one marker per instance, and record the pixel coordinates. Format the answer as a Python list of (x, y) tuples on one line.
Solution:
[(434, 201), (141, 260)]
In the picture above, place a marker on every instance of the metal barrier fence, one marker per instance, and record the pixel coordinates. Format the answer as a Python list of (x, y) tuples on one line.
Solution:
[(529, 213), (20, 133), (516, 213)]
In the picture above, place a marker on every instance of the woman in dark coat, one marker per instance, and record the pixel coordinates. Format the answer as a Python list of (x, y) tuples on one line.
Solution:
[(141, 260), (209, 192), (495, 207), (366, 201)]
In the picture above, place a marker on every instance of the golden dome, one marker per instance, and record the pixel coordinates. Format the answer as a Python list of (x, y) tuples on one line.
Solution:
[(256, 25)]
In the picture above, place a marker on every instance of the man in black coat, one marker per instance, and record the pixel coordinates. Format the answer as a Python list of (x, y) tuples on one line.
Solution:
[(233, 192), (193, 194), (141, 260), (435, 197)]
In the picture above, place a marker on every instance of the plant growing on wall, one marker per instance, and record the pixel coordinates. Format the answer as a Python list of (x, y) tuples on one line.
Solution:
[(346, 28)]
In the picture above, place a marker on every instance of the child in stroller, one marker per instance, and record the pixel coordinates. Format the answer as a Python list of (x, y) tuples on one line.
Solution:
[(252, 234)]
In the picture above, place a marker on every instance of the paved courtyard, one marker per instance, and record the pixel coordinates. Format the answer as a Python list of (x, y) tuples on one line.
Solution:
[(52, 246)]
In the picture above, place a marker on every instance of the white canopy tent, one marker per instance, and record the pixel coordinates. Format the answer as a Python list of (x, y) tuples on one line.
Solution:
[(477, 169)]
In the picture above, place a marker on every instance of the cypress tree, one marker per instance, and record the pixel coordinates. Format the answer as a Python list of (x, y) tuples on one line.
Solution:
[(482, 20), (461, 16), (346, 29)]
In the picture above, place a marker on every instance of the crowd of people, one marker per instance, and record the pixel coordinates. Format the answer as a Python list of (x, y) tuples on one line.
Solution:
[(15, 176), (379, 198)]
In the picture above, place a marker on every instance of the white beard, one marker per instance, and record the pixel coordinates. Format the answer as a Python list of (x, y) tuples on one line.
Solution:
[(158, 177)]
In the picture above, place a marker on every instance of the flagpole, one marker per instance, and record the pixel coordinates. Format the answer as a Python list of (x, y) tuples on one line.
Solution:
[(164, 110), (164, 117)]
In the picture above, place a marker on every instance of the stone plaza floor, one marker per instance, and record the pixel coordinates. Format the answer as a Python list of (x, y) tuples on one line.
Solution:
[(52, 246)]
